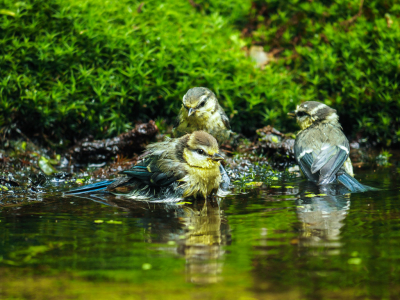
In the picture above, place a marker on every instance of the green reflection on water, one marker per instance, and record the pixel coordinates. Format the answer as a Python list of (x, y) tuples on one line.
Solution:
[(267, 244)]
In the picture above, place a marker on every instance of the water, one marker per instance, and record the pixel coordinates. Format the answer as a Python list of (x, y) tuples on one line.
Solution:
[(270, 243)]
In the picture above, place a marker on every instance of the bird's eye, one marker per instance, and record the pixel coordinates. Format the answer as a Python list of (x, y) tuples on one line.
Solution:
[(202, 104), (301, 114), (200, 151)]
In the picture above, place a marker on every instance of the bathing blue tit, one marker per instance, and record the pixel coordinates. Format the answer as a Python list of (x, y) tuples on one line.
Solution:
[(201, 111), (321, 148), (171, 170)]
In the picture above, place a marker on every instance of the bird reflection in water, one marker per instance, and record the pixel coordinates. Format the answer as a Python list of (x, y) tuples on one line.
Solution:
[(207, 232), (200, 231), (321, 211)]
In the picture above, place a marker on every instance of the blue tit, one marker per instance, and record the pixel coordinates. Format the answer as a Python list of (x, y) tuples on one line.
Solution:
[(201, 111), (321, 148), (170, 170)]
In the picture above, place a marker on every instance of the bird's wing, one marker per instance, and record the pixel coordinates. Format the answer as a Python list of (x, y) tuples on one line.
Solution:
[(328, 162), (224, 117), (121, 181), (149, 173), (304, 153), (305, 158), (321, 154)]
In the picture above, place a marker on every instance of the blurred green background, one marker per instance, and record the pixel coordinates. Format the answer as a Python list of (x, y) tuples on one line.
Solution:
[(77, 67)]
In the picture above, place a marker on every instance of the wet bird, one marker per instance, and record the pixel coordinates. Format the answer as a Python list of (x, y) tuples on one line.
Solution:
[(321, 148), (171, 170), (201, 111)]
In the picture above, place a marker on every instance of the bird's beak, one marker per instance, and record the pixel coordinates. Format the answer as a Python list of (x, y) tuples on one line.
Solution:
[(292, 114), (191, 111), (217, 157)]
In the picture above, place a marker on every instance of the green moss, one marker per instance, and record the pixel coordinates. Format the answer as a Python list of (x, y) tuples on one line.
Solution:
[(73, 68), (345, 53)]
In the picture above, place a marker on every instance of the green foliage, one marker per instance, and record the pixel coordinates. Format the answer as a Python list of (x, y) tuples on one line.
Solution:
[(383, 158), (345, 53), (72, 68)]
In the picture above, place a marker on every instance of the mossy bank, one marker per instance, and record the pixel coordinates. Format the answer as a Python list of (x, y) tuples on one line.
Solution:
[(73, 68)]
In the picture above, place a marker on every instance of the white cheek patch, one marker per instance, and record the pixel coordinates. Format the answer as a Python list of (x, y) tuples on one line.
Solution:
[(198, 156)]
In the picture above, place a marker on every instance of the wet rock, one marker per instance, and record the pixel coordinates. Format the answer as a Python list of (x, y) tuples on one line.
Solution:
[(37, 180), (275, 144), (126, 144), (121, 163), (8, 181)]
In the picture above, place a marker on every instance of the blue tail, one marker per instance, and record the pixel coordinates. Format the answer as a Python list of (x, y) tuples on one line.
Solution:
[(353, 185), (95, 187)]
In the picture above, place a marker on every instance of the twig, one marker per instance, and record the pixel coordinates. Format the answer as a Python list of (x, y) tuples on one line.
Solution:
[(194, 4), (139, 9), (227, 151), (352, 19)]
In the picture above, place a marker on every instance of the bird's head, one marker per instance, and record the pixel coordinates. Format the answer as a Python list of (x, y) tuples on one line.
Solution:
[(201, 151), (311, 112), (199, 100)]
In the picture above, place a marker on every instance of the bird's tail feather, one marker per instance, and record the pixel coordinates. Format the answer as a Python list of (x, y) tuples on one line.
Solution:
[(95, 187), (353, 185)]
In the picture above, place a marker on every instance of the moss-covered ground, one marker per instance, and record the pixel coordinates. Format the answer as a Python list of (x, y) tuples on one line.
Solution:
[(73, 68)]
